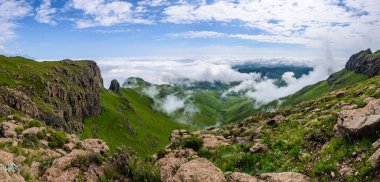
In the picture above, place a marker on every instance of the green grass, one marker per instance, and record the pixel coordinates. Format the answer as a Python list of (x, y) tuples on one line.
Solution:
[(343, 79), (128, 119)]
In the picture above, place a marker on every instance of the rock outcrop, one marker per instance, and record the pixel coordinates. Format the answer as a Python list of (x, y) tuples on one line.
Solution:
[(363, 121), (284, 177), (60, 93), (115, 86), (365, 62)]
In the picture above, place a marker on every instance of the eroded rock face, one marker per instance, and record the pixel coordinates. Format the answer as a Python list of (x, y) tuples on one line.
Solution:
[(363, 121), (198, 170), (284, 177)]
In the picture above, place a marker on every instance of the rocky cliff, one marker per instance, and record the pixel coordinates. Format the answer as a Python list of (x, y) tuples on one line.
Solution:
[(60, 93), (365, 62)]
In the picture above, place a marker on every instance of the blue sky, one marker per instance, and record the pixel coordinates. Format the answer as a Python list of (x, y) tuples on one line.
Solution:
[(57, 29)]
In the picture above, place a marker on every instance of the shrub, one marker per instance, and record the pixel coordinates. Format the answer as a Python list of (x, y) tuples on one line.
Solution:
[(41, 135), (161, 153), (30, 141), (57, 139), (35, 123), (83, 161), (19, 129), (192, 142), (143, 170), (45, 164)]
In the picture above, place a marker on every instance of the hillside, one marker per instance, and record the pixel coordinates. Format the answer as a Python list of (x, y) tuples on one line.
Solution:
[(127, 118), (331, 137)]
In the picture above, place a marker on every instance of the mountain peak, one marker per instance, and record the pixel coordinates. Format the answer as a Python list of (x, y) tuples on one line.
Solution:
[(365, 62)]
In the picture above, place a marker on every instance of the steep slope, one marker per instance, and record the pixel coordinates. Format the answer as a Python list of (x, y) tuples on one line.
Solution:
[(127, 118), (60, 93), (334, 137)]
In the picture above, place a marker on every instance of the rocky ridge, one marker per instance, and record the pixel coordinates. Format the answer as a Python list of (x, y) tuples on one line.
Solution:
[(60, 93)]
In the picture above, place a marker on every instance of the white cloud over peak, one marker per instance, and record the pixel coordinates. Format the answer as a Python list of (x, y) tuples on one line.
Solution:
[(10, 11), (45, 13)]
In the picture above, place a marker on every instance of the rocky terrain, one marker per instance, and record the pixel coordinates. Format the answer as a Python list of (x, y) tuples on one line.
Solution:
[(365, 62)]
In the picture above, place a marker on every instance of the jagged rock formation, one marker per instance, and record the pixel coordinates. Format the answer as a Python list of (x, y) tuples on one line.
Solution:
[(365, 62), (60, 93), (115, 86)]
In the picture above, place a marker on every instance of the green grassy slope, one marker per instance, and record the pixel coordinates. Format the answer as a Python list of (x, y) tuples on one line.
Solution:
[(128, 119), (304, 141), (338, 80)]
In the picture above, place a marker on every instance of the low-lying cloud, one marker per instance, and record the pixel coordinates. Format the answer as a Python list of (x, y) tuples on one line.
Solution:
[(173, 71)]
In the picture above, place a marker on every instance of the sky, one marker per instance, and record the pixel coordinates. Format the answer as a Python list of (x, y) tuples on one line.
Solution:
[(91, 29), (163, 40)]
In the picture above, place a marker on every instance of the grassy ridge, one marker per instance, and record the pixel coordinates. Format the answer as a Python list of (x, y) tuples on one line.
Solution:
[(127, 119), (338, 80)]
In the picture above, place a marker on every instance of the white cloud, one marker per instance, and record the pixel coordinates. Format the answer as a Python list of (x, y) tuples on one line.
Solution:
[(105, 13), (345, 24), (10, 12), (45, 12), (172, 103), (197, 34)]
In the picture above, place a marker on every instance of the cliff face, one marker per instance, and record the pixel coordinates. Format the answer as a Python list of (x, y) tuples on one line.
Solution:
[(61, 93), (365, 62)]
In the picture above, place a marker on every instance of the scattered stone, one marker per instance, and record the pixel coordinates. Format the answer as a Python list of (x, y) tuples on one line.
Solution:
[(33, 130), (198, 170), (368, 99), (259, 147), (346, 171), (363, 121), (284, 177)]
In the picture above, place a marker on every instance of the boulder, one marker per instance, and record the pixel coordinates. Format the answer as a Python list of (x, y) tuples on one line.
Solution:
[(212, 141), (284, 177), (198, 170), (242, 177), (6, 157), (171, 162), (363, 121), (374, 160)]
